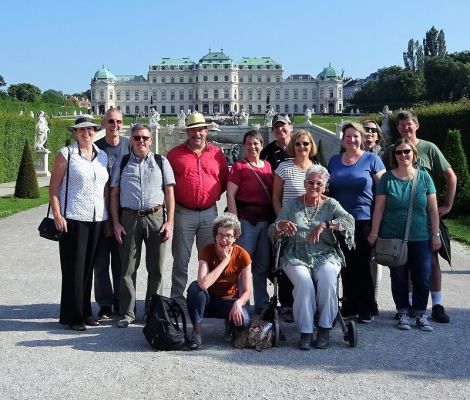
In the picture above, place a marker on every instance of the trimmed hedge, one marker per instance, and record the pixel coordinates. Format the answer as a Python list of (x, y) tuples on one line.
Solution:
[(27, 182), (14, 130)]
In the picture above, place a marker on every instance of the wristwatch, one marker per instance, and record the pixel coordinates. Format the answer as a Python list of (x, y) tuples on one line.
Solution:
[(436, 234)]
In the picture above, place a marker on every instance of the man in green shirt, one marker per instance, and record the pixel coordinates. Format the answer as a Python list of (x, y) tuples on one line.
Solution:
[(432, 160)]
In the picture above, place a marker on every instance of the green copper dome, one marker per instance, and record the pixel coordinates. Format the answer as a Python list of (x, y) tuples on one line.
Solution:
[(104, 73), (328, 72)]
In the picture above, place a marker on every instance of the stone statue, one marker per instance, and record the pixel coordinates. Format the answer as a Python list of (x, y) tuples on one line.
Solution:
[(31, 114), (171, 128), (244, 118), (215, 127), (269, 117), (154, 118), (74, 113), (357, 111), (181, 118), (21, 113), (42, 130), (385, 125), (257, 126), (339, 126), (308, 115)]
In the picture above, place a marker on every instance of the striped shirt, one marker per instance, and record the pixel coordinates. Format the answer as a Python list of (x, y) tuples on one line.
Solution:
[(293, 179)]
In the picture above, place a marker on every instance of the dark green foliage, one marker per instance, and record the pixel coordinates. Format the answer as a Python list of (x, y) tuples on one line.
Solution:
[(26, 182), (14, 130), (24, 92), (321, 154), (454, 153), (434, 44), (414, 56), (2, 81), (53, 96)]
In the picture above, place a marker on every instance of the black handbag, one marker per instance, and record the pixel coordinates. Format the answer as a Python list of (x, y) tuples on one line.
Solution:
[(47, 228)]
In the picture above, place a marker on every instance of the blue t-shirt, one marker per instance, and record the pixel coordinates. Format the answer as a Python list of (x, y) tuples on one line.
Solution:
[(353, 185)]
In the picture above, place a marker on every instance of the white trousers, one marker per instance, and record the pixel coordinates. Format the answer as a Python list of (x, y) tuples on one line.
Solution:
[(307, 298)]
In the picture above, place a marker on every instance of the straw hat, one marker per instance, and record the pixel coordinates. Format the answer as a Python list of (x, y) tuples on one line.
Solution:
[(83, 121), (196, 120)]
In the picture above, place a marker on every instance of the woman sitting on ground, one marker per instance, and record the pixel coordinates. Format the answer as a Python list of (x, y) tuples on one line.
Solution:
[(312, 254), (223, 286)]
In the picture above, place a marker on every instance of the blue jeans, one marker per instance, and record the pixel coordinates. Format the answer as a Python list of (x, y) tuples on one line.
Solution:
[(419, 267), (202, 304), (254, 239)]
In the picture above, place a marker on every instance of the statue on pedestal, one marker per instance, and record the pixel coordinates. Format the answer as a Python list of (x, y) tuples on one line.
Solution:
[(308, 115), (244, 118), (385, 125), (181, 118), (269, 117), (154, 118), (42, 130), (171, 128)]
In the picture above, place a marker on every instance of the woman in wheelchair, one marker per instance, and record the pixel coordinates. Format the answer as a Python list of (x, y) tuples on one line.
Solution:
[(312, 258)]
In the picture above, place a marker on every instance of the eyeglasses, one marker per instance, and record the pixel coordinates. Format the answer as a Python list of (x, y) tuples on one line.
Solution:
[(400, 152), (369, 129), (139, 138), (223, 236), (115, 121), (314, 183), (305, 144)]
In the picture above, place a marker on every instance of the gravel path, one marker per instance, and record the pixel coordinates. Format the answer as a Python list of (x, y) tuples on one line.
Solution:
[(39, 359)]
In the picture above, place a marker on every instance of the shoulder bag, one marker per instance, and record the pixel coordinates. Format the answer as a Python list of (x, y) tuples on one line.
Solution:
[(394, 252), (47, 228)]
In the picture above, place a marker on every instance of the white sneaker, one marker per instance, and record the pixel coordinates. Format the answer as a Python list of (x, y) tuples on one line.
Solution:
[(403, 322), (423, 323)]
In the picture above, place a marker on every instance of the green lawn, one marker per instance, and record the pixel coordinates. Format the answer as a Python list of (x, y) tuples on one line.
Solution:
[(10, 205), (459, 229)]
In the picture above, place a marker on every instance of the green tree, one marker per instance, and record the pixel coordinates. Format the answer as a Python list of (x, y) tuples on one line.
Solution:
[(434, 43), (53, 96), (455, 154), (446, 79), (462, 56), (2, 81), (413, 57), (24, 92), (26, 182)]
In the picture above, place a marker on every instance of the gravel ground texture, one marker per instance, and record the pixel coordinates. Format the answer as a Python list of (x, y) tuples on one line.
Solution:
[(40, 359)]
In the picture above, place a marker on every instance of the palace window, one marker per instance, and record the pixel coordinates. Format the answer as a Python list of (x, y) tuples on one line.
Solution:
[(172, 95), (128, 96), (181, 94), (136, 95), (146, 95)]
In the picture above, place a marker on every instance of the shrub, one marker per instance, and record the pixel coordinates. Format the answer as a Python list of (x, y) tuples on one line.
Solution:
[(454, 153), (26, 182)]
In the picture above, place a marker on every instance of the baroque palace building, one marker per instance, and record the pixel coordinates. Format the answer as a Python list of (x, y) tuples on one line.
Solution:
[(217, 84)]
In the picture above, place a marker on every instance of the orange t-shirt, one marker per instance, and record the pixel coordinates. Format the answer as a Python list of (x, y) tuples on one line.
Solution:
[(226, 284)]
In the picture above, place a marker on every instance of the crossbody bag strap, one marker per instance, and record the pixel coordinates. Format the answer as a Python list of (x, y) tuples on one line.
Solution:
[(410, 208), (66, 184), (260, 181)]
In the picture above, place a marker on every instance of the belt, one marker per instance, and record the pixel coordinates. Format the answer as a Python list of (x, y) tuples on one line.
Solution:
[(143, 213), (196, 209)]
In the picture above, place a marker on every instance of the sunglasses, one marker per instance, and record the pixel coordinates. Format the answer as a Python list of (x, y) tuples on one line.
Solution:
[(305, 144), (400, 152), (370, 130), (114, 121), (139, 138), (314, 183)]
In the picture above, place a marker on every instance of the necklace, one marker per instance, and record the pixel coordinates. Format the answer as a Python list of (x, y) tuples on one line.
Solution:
[(309, 217)]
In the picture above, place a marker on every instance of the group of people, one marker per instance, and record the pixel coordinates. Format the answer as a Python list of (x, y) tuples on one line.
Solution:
[(112, 195)]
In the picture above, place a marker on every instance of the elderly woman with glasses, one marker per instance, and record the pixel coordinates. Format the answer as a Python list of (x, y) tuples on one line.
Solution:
[(78, 195), (389, 221), (223, 286), (312, 259)]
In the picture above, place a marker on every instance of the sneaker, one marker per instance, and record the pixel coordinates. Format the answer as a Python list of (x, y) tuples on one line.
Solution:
[(105, 312), (195, 341), (423, 323), (439, 314), (125, 322), (365, 318), (403, 322)]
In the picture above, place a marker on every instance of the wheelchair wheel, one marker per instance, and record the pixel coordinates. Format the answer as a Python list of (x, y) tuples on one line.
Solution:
[(276, 329), (351, 336)]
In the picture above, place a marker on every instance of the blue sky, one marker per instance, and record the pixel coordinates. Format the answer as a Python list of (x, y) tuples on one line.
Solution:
[(60, 44)]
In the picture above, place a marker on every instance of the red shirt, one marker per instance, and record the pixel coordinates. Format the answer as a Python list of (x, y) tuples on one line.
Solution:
[(200, 180), (226, 284), (253, 203)]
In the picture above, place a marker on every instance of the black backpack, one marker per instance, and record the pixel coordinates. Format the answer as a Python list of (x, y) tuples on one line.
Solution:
[(162, 328)]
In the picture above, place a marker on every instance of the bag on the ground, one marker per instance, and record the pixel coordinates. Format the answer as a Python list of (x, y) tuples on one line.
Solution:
[(162, 329), (48, 230), (390, 252), (259, 335)]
